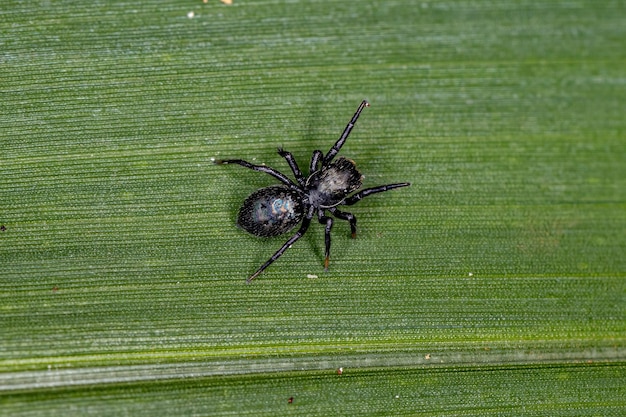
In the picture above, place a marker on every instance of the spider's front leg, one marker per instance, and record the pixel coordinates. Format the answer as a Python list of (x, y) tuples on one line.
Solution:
[(346, 132), (315, 160), (355, 198)]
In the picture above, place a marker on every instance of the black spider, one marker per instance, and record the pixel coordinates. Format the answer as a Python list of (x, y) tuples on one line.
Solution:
[(274, 210)]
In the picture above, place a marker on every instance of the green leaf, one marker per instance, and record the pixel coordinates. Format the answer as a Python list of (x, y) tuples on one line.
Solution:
[(494, 285)]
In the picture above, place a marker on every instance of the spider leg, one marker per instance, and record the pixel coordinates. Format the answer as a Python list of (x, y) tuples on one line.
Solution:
[(315, 160), (328, 221), (346, 132), (351, 218), (293, 165), (261, 168), (354, 198), (303, 228)]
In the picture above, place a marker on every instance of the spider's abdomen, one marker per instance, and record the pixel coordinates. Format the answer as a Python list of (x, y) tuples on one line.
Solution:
[(333, 183), (270, 211)]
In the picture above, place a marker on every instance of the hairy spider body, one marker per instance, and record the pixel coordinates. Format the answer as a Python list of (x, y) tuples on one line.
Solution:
[(329, 187), (271, 211), (274, 210)]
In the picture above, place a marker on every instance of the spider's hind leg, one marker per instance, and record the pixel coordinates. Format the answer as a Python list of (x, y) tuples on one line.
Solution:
[(303, 228), (261, 168)]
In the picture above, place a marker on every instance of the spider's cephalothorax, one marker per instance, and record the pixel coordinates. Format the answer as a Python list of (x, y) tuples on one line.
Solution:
[(329, 187), (274, 210)]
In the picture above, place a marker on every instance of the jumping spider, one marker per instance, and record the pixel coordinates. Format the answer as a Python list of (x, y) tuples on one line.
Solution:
[(274, 210)]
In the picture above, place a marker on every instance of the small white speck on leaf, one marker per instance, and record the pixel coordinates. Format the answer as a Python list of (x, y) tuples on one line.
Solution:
[(191, 15)]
